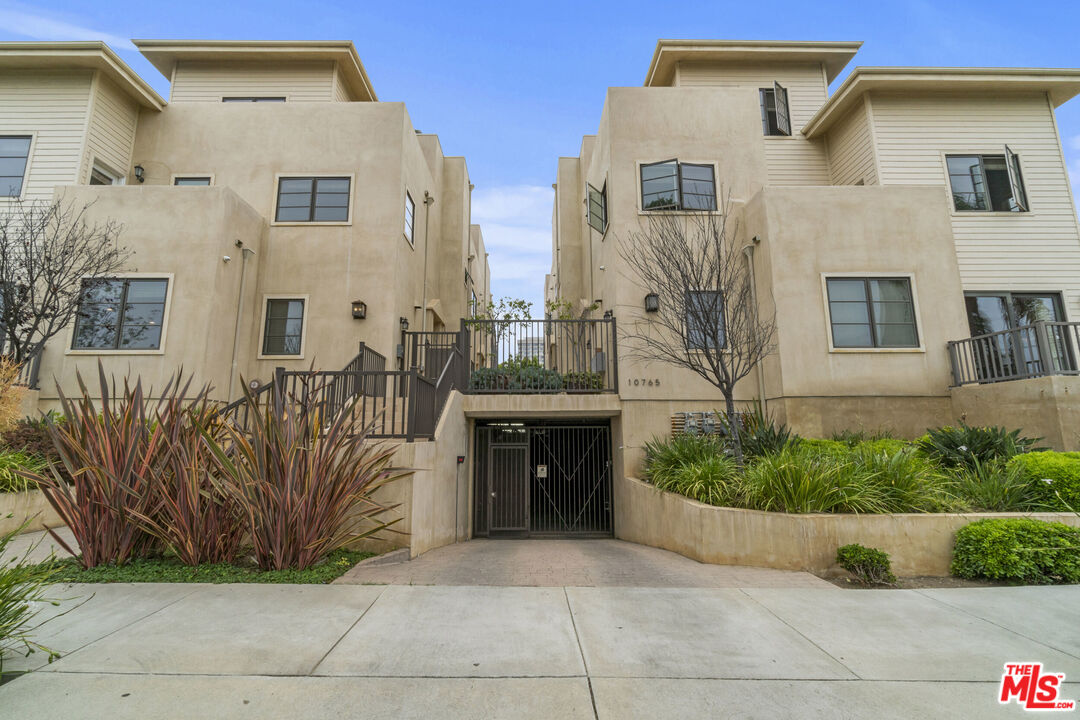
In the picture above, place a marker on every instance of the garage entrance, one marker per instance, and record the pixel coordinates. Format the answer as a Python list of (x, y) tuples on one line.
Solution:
[(535, 479)]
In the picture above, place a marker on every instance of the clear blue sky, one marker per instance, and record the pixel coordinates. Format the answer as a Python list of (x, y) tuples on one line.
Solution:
[(512, 86)]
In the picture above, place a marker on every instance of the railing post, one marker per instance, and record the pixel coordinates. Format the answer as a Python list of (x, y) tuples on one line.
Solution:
[(1043, 343), (277, 394), (614, 356), (954, 363), (466, 355), (410, 413)]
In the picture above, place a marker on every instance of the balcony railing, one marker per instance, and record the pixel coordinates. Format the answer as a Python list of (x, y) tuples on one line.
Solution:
[(1028, 351), (542, 356)]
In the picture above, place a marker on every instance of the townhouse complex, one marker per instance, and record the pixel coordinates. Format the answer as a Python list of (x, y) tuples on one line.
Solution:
[(278, 213), (913, 234)]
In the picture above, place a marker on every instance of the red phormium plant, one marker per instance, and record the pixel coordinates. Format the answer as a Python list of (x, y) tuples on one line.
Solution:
[(304, 481), (108, 454)]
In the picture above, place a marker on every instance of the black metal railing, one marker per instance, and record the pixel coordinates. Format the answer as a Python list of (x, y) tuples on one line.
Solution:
[(29, 369), (542, 356), (1028, 351)]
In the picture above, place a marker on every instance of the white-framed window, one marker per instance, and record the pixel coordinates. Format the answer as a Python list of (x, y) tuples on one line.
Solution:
[(313, 199), (284, 326), (122, 314), (193, 180), (872, 311), (410, 217), (14, 160), (102, 174)]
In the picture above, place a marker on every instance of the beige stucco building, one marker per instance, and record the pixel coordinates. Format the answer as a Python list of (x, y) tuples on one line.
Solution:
[(912, 208), (270, 196)]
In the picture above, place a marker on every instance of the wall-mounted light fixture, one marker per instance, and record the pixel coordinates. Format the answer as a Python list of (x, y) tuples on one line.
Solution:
[(140, 173), (404, 324), (652, 302), (359, 309), (609, 314)]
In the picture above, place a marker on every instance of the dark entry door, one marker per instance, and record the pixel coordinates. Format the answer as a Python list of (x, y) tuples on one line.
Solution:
[(508, 480)]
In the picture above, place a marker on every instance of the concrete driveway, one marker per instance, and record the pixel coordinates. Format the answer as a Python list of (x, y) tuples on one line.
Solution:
[(764, 650)]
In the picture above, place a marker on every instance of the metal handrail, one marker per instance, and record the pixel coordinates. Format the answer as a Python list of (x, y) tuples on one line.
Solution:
[(1027, 351)]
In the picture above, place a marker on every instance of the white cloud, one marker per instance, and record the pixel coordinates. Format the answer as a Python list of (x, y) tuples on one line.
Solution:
[(516, 222), (32, 24)]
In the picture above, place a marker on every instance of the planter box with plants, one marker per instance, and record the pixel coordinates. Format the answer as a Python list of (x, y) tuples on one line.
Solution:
[(797, 500)]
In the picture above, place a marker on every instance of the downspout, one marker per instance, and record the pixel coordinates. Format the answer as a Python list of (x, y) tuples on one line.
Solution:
[(748, 251), (429, 200), (244, 253)]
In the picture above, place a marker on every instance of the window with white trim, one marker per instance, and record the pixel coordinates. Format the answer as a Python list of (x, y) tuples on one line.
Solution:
[(872, 312), (120, 314), (988, 183), (410, 216), (313, 199), (191, 180), (775, 117), (283, 333), (597, 208), (14, 154)]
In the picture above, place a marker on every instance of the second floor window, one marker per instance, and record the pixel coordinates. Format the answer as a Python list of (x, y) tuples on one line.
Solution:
[(192, 180), (598, 208), (672, 185), (775, 116), (253, 99), (313, 199), (410, 216), (990, 183), (120, 314), (14, 151)]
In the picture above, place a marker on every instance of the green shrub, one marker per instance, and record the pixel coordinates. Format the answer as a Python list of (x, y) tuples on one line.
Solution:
[(1055, 475), (22, 590), (883, 446), (12, 461), (994, 486), (1018, 549), (696, 466), (870, 565), (583, 381), (760, 434), (798, 480), (906, 481), (851, 438), (517, 374), (964, 446), (820, 446)]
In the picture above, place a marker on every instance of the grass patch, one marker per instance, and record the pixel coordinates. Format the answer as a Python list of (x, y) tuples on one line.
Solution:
[(171, 570)]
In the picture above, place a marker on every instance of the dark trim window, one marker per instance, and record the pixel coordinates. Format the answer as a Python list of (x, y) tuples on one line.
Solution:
[(672, 185), (987, 183), (253, 99), (704, 320), (14, 152), (410, 216), (120, 314), (876, 312), (191, 181), (313, 199), (597, 208), (284, 330), (775, 117)]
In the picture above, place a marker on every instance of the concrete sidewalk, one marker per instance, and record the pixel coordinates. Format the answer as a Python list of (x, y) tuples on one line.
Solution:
[(264, 651)]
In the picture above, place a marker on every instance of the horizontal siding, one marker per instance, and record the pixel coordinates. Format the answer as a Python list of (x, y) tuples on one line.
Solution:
[(341, 93), (790, 160), (851, 150), (112, 129), (53, 107), (1038, 250), (209, 82)]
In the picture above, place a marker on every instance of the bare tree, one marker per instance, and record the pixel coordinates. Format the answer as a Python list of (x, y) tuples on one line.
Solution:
[(47, 248), (707, 321)]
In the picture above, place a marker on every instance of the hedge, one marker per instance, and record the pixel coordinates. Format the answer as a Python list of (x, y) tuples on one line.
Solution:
[(1018, 549), (1056, 474)]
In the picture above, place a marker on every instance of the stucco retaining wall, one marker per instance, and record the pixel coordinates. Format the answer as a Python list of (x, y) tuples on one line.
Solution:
[(25, 505), (919, 544)]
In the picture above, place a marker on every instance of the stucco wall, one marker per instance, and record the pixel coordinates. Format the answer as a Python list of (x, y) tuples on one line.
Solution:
[(25, 506), (918, 544), (1046, 407)]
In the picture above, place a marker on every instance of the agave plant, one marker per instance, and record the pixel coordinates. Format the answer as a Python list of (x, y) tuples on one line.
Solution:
[(304, 482), (108, 452)]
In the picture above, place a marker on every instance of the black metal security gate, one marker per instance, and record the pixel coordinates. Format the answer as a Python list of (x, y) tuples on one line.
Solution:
[(541, 479)]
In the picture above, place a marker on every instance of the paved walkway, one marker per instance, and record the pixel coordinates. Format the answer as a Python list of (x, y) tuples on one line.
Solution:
[(296, 652), (573, 563)]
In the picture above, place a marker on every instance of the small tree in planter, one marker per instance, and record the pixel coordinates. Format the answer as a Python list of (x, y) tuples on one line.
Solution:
[(707, 320)]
